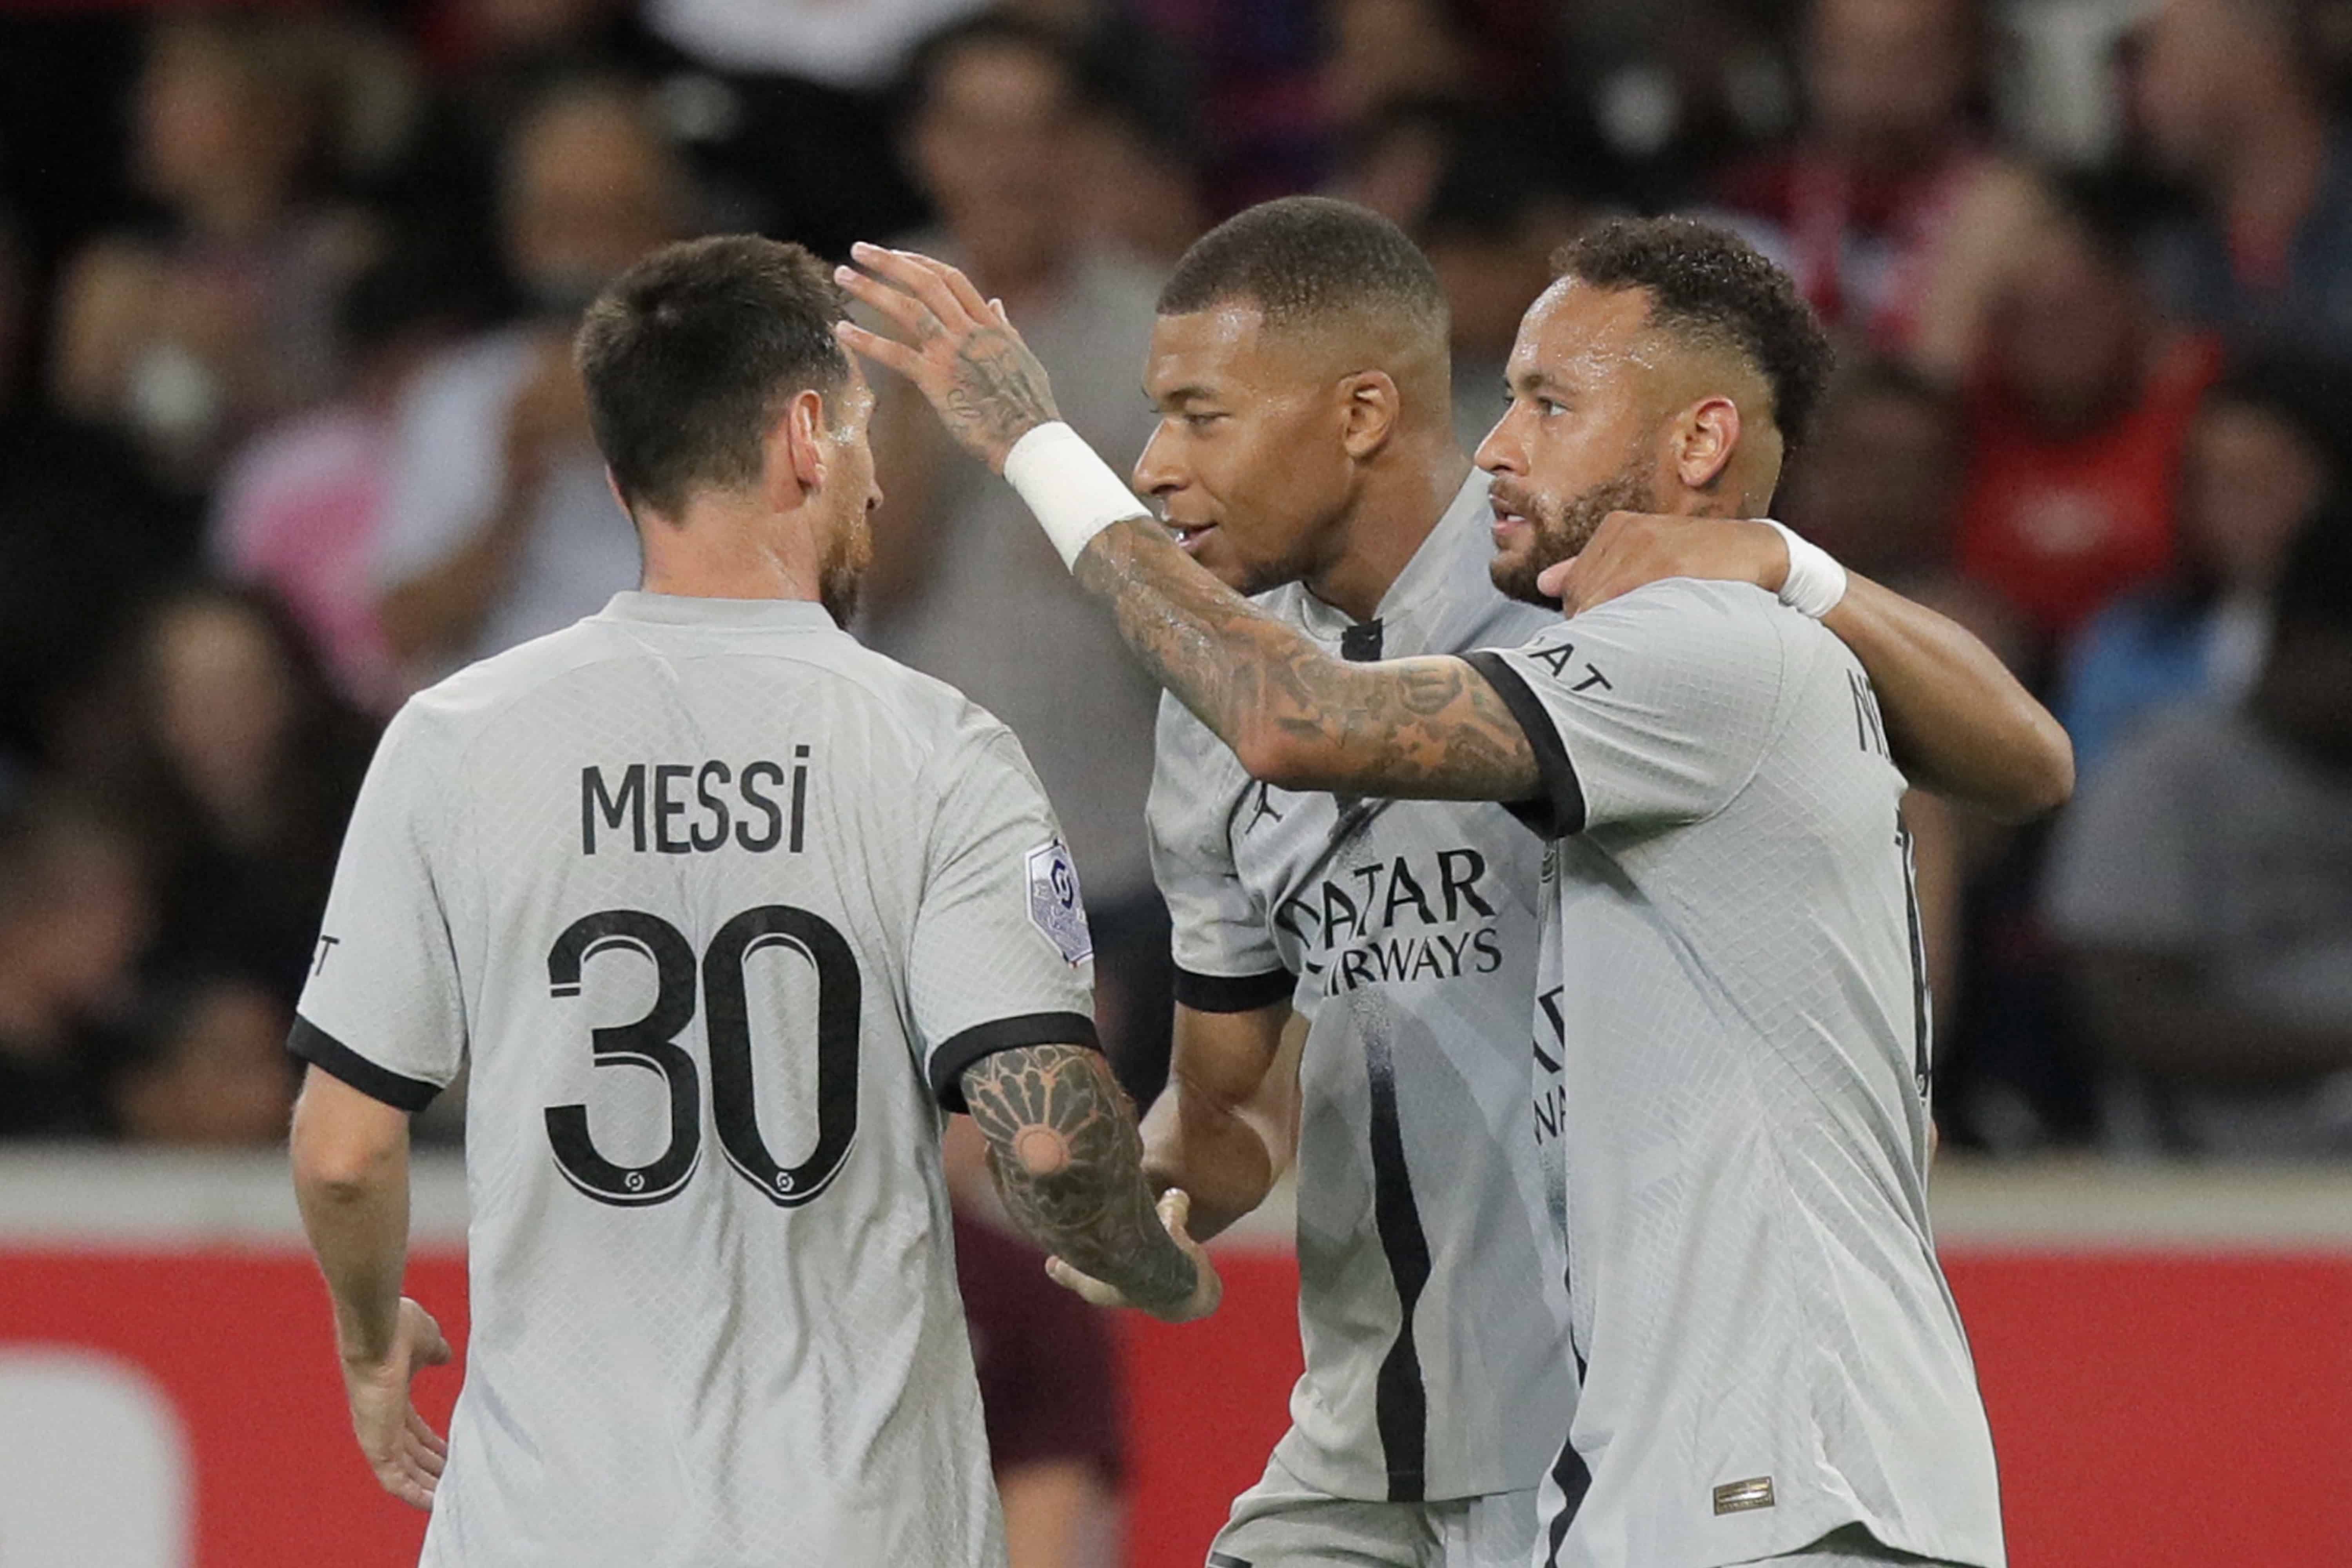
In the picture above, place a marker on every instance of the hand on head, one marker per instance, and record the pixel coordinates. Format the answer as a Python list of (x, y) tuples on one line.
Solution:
[(959, 349)]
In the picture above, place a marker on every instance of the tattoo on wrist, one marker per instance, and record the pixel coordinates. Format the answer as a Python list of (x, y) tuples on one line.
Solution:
[(1063, 1145)]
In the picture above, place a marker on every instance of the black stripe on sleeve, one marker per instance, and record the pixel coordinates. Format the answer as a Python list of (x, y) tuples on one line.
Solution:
[(1560, 810), (959, 1051), (313, 1044), (1234, 993)]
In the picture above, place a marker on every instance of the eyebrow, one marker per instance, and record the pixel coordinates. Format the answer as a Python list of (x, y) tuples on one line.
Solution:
[(1182, 395)]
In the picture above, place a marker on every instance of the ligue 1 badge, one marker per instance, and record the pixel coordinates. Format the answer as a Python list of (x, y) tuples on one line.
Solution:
[(1054, 904)]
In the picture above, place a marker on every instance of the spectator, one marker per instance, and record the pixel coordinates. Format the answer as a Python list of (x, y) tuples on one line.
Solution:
[(2226, 95), (1890, 208), (298, 510), (211, 1069), (82, 532), (788, 106), (73, 918), (190, 336), (2203, 883), (2078, 413), (1049, 1381), (963, 586), (499, 526), (253, 765), (2264, 451), (1490, 228), (1141, 143)]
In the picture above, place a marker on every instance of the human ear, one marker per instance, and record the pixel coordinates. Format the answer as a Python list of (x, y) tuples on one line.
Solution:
[(794, 453), (1370, 409), (1709, 436)]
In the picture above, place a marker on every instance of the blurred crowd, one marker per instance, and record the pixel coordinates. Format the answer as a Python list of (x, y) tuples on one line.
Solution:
[(289, 428)]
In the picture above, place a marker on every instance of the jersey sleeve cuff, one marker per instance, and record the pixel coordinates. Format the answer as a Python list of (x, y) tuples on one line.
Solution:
[(1559, 811), (330, 1056), (959, 1051), (1234, 993)]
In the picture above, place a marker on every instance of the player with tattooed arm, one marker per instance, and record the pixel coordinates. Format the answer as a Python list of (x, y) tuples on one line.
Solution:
[(1729, 1012), (723, 914)]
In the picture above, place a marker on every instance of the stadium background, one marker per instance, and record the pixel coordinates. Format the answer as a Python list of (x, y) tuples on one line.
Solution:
[(285, 430)]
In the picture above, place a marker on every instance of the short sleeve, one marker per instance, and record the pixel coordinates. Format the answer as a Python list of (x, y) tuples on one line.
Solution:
[(1656, 709), (1002, 955), (1226, 960), (2123, 868), (381, 1009)]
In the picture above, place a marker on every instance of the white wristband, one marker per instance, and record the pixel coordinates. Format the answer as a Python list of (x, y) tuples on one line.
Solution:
[(1073, 492), (1815, 582)]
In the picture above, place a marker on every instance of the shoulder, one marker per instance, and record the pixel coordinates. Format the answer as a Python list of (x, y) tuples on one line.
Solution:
[(1685, 622)]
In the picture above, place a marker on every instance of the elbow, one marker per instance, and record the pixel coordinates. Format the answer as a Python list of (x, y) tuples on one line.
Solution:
[(340, 1167), (1289, 760), (2050, 780)]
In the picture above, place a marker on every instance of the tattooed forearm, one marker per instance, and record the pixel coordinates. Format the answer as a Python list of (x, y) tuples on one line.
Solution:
[(1412, 728), (1063, 1145)]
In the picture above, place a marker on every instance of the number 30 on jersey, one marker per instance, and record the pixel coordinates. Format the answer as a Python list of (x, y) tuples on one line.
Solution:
[(651, 1044)]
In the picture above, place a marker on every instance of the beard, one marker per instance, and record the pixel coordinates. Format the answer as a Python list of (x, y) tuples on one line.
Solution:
[(847, 555), (1560, 529)]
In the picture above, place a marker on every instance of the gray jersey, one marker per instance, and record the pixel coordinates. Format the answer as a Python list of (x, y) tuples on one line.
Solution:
[(1730, 1037), (1405, 934), (715, 905)]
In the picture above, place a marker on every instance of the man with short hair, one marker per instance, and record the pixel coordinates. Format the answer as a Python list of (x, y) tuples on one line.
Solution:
[(1774, 1367), (814, 899)]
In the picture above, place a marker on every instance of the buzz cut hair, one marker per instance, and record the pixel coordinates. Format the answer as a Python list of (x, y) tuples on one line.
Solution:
[(689, 357), (1711, 288), (1306, 258)]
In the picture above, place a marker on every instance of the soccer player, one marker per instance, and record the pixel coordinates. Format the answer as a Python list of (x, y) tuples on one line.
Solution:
[(1730, 1024), (721, 911)]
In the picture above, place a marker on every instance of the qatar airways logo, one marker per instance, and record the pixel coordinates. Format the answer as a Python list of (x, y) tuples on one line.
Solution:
[(1413, 917)]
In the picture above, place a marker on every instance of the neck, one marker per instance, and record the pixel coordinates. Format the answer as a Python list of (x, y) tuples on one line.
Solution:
[(1401, 503), (722, 548)]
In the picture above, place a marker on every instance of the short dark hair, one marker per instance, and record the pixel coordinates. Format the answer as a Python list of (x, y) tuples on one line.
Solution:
[(2306, 390), (1303, 257), (984, 30), (1708, 284), (689, 355)]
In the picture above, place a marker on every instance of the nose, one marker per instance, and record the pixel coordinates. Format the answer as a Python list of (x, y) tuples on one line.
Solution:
[(1501, 452), (1156, 473)]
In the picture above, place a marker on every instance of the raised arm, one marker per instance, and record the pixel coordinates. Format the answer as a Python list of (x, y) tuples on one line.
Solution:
[(1068, 1162), (1222, 1130), (1296, 718), (1959, 724)]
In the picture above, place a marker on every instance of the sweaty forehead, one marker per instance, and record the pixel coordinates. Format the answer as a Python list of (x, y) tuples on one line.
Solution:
[(1578, 333)]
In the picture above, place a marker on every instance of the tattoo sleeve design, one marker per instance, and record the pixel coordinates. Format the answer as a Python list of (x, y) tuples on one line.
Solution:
[(997, 393), (1063, 1145), (1429, 729)]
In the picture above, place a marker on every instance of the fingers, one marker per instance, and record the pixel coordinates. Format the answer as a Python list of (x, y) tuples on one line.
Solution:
[(433, 1445), (1083, 1286), (1176, 1213), (888, 353), (1554, 582), (892, 304), (927, 280)]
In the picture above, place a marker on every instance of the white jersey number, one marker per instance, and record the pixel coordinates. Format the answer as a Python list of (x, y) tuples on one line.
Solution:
[(652, 1043)]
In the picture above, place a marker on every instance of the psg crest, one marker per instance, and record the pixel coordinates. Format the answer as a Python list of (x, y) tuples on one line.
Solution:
[(1055, 903)]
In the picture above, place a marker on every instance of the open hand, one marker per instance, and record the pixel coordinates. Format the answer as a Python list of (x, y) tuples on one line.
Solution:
[(405, 1454), (959, 349), (1208, 1289), (1631, 550)]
